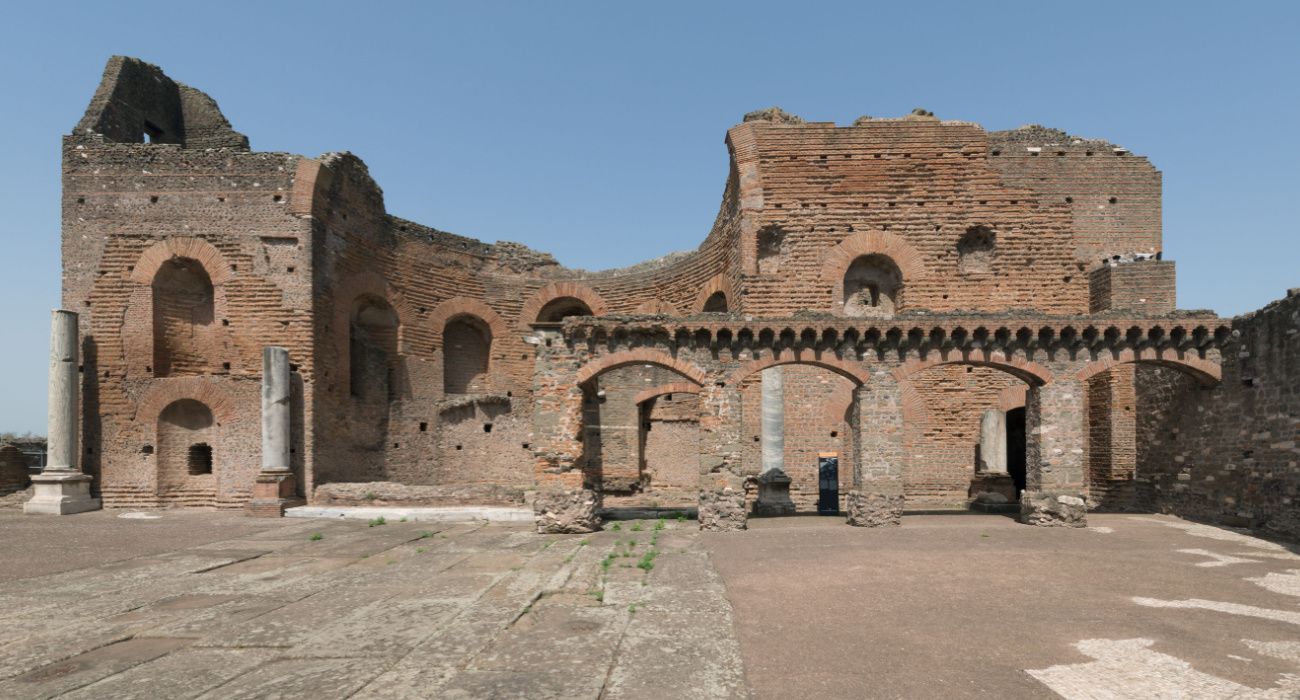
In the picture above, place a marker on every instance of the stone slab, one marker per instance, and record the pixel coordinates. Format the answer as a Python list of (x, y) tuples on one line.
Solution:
[(447, 514)]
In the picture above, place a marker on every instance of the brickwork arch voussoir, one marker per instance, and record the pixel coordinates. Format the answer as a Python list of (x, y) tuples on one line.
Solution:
[(202, 389), (559, 290), (197, 249), (464, 306), (642, 356), (907, 258)]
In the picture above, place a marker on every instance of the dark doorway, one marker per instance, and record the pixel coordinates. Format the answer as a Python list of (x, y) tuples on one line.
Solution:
[(1016, 447), (828, 484)]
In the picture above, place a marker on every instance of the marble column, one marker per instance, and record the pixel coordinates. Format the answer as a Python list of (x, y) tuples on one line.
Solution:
[(993, 442), (275, 488), (773, 482), (61, 488)]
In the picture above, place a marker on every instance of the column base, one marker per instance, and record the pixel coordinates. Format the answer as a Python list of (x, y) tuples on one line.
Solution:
[(773, 494), (273, 492), (1053, 509), (567, 511), (874, 509), (61, 493), (722, 511)]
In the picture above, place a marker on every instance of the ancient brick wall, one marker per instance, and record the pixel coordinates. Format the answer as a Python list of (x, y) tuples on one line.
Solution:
[(132, 213), (1142, 286), (1112, 196), (941, 449), (1112, 438), (816, 421), (414, 348), (1230, 453), (920, 184)]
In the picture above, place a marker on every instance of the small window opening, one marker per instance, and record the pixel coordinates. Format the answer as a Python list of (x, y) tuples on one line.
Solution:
[(424, 427), (152, 134), (200, 459)]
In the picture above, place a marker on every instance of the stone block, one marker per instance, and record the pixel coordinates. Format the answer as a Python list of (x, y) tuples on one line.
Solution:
[(722, 511), (874, 509), (1053, 509), (567, 511)]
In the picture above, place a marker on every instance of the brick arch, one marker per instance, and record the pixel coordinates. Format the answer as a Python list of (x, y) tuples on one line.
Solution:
[(1203, 371), (838, 259), (642, 356), (370, 284), (559, 290), (657, 306), (1029, 372), (197, 249), (1012, 397), (671, 388), (854, 373), (202, 389), (464, 306), (718, 283)]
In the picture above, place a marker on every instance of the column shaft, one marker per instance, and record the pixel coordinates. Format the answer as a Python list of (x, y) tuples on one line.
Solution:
[(276, 392)]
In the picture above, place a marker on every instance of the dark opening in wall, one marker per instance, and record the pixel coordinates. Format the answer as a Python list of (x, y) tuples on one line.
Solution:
[(424, 427), (716, 303), (487, 427), (152, 134), (147, 449), (873, 287), (200, 459)]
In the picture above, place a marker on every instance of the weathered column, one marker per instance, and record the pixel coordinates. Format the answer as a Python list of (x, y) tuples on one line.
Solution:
[(1054, 468), (564, 502), (722, 483), (993, 442), (876, 499), (773, 482), (61, 488), (275, 488)]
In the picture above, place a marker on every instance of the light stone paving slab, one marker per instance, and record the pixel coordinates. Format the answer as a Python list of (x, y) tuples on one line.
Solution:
[(445, 514)]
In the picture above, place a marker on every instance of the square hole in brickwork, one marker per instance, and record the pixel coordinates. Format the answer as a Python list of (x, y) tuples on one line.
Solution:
[(81, 200), (835, 433), (1113, 200), (221, 199), (225, 322), (424, 427), (397, 445), (153, 199), (487, 427), (289, 269), (199, 459), (147, 450), (225, 366), (527, 446), (458, 447), (277, 198)]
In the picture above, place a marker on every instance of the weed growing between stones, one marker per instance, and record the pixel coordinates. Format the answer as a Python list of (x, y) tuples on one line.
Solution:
[(616, 527), (316, 537), (636, 527), (659, 525), (370, 496), (425, 535), (378, 521), (648, 561)]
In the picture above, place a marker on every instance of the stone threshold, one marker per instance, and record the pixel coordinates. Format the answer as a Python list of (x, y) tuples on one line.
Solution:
[(444, 514)]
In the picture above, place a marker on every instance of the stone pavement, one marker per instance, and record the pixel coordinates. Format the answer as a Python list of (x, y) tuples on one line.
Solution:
[(213, 605), (971, 605), (216, 605)]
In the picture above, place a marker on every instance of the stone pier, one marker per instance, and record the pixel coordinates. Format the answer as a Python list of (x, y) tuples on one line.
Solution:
[(275, 488), (61, 488)]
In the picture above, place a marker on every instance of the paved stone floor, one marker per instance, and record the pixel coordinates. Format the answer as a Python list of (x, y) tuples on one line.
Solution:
[(215, 605), (979, 606)]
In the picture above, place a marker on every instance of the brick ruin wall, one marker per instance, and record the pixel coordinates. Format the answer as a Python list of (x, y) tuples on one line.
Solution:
[(186, 253), (1229, 453)]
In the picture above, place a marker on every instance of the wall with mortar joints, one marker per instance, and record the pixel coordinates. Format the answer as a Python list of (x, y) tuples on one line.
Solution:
[(1231, 453)]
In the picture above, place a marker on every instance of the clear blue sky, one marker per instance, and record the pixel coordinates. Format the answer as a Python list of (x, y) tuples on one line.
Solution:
[(595, 130)]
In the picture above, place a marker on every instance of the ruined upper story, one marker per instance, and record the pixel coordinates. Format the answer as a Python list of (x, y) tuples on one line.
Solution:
[(881, 217)]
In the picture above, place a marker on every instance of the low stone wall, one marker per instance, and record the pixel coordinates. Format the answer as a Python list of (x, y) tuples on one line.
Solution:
[(387, 493)]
